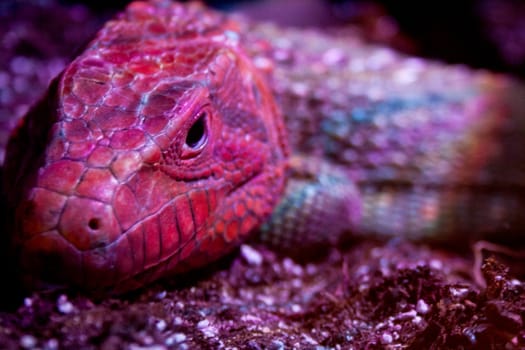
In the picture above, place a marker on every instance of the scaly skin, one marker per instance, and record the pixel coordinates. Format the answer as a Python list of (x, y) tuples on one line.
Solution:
[(161, 147), (394, 145), (152, 153)]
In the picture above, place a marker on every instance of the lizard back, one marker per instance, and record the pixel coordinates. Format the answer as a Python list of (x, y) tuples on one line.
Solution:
[(434, 151)]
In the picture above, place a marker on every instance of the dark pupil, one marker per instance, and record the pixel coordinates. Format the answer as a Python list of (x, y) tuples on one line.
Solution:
[(197, 133)]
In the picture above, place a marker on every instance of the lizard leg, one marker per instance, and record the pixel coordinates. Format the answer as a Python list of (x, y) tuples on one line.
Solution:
[(321, 203), (325, 203)]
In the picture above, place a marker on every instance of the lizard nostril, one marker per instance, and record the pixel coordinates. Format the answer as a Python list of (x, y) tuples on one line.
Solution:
[(85, 223), (94, 223)]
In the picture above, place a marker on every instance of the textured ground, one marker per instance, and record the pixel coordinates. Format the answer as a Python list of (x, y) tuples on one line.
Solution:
[(372, 296), (368, 295)]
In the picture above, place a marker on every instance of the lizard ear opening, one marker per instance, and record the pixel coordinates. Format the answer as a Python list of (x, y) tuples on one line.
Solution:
[(197, 136)]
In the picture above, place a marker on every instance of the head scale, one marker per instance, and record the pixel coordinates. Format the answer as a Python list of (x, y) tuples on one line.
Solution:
[(161, 143)]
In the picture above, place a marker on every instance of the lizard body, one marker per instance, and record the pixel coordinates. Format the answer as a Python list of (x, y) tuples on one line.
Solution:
[(166, 142), (409, 147)]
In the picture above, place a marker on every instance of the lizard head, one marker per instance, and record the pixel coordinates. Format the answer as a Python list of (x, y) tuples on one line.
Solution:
[(155, 151)]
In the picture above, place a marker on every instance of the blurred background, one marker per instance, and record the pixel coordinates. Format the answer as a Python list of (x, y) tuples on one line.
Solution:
[(480, 33)]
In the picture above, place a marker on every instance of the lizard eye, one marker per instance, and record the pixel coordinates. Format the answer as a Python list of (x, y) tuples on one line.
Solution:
[(197, 136)]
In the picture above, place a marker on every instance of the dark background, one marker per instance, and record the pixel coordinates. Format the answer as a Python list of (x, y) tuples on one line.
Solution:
[(480, 33)]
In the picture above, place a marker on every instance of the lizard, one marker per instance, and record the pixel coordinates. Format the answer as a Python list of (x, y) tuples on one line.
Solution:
[(179, 132)]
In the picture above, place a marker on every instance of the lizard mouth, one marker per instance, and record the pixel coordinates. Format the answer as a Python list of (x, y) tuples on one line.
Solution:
[(150, 271)]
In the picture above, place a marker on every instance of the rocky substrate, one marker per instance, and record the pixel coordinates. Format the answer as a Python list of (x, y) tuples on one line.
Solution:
[(395, 295)]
